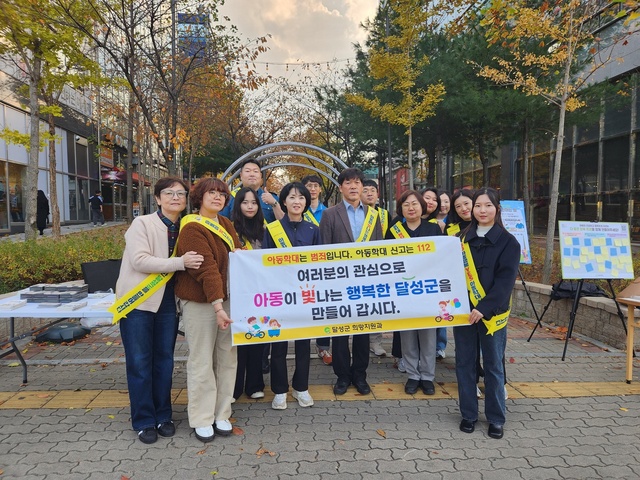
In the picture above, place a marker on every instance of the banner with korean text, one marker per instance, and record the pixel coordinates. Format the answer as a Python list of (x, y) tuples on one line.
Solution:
[(350, 288)]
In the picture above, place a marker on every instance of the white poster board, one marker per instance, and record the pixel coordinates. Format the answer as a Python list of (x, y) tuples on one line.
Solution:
[(350, 288), (514, 221), (594, 250)]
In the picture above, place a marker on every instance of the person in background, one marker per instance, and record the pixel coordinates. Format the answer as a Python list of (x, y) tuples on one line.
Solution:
[(350, 221), (251, 176), (445, 206), (493, 257), (432, 197), (96, 203), (370, 198), (441, 332), (42, 212), (248, 221), (418, 346), (203, 298), (149, 331), (313, 183), (291, 231)]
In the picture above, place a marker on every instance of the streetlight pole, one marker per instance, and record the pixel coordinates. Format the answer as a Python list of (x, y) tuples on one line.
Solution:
[(391, 199)]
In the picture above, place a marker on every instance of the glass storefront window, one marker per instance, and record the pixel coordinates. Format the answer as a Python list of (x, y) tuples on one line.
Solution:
[(616, 164), (15, 192), (73, 200), (586, 208), (587, 169), (614, 207), (4, 192)]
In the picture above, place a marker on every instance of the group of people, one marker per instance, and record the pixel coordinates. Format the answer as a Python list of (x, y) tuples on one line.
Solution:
[(193, 253)]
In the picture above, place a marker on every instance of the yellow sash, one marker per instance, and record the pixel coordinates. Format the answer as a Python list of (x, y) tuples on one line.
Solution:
[(247, 244), (384, 220), (398, 231), (477, 293), (369, 224), (278, 234), (212, 226), (434, 220), (235, 191), (453, 229), (309, 217)]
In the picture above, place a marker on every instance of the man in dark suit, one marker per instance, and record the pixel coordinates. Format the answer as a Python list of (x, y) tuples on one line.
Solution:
[(350, 221)]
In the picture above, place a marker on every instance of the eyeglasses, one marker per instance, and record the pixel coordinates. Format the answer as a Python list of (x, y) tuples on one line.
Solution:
[(174, 193), (217, 194)]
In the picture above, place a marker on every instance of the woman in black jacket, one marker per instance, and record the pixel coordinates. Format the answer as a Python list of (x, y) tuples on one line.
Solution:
[(42, 212), (492, 256)]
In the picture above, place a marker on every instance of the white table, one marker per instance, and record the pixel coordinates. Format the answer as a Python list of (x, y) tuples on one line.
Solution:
[(33, 310)]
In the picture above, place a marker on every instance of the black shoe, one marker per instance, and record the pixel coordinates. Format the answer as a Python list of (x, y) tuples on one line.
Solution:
[(166, 429), (427, 387), (411, 386), (148, 435), (467, 426), (495, 431), (363, 387), (340, 388)]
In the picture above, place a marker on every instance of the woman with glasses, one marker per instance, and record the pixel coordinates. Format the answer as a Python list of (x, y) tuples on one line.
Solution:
[(211, 365), (149, 331)]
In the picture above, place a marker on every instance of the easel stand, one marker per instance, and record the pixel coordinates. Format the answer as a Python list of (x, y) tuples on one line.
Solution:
[(574, 309), (526, 290)]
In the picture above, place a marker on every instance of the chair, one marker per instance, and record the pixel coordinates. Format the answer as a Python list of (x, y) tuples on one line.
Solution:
[(101, 276)]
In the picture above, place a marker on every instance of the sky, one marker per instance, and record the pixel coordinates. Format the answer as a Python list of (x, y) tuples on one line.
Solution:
[(302, 30)]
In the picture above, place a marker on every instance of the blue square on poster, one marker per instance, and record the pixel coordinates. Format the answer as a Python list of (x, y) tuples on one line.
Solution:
[(607, 265), (623, 250), (587, 242), (589, 267), (609, 242), (576, 241), (597, 250), (566, 251), (613, 251), (576, 252)]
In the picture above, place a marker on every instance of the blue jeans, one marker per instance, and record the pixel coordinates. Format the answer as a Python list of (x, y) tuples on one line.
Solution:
[(441, 338), (149, 340), (467, 339)]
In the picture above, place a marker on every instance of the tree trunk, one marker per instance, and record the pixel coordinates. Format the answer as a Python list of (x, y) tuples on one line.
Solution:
[(53, 181), (30, 231), (129, 166), (525, 177), (410, 158)]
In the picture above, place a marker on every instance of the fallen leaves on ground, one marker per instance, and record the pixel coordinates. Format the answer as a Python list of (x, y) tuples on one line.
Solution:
[(238, 431), (624, 409), (381, 432), (262, 451), (202, 452), (512, 360)]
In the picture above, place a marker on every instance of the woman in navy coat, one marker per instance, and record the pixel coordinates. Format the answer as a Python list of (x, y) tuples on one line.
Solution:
[(294, 200), (493, 256)]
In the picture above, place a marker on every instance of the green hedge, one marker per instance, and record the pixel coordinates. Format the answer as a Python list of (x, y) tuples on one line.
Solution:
[(49, 260)]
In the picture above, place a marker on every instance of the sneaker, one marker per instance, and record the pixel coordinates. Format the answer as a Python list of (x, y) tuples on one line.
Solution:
[(166, 429), (257, 395), (279, 401), (205, 434), (223, 427), (440, 354), (304, 399), (325, 355), (402, 368), (377, 350), (148, 435), (506, 393), (478, 392)]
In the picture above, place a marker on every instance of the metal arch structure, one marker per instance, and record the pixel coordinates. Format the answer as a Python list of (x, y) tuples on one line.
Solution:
[(255, 153)]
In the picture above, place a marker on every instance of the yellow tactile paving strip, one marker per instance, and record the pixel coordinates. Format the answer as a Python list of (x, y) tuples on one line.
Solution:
[(382, 391)]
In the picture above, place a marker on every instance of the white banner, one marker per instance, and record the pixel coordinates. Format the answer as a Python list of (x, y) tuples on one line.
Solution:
[(350, 288)]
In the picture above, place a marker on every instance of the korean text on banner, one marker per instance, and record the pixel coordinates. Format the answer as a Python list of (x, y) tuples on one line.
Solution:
[(344, 289)]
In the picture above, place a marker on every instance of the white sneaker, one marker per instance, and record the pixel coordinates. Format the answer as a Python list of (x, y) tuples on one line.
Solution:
[(205, 434), (304, 399), (402, 368), (506, 393), (256, 395), (440, 354), (478, 392), (279, 401), (223, 427), (377, 350)]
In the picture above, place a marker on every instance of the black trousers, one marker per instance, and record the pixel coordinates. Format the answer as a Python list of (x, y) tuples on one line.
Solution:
[(249, 374), (279, 375), (345, 369)]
